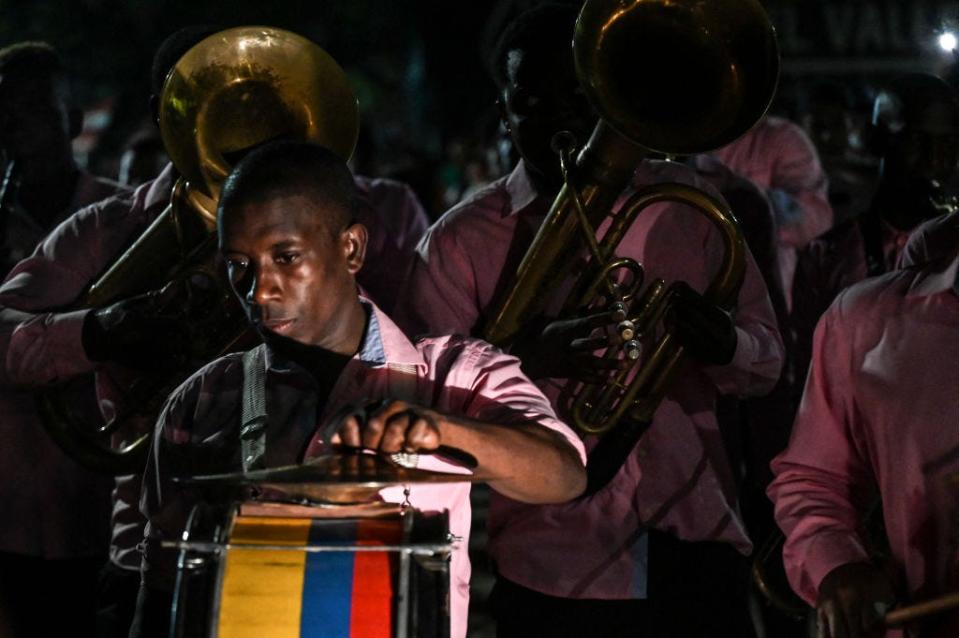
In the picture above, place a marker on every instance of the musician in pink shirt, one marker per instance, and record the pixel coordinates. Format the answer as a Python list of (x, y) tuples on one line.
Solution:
[(292, 248), (49, 547), (877, 420), (778, 156), (581, 568), (915, 132), (44, 343)]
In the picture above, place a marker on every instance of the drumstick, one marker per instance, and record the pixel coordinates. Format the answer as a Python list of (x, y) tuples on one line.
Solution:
[(903, 615)]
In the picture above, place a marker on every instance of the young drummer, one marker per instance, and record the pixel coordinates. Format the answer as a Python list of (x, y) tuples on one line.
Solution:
[(292, 249)]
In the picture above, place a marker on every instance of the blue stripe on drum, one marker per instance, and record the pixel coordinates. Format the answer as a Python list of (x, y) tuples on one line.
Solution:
[(328, 582)]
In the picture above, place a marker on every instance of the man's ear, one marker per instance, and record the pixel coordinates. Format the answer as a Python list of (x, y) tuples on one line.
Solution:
[(354, 239), (74, 122)]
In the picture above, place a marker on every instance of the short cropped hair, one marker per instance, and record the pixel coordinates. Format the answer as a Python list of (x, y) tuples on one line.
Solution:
[(175, 47), (545, 29), (26, 62), (285, 168)]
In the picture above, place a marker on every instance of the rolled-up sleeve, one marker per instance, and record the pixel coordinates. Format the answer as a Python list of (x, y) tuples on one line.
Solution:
[(694, 258), (40, 338), (822, 478), (758, 360), (499, 392)]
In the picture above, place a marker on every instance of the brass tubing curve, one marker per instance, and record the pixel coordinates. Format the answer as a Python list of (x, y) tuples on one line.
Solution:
[(785, 601), (653, 375), (59, 425), (726, 283)]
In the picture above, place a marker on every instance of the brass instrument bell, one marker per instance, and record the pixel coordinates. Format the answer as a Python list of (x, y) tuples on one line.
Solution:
[(666, 76), (231, 92)]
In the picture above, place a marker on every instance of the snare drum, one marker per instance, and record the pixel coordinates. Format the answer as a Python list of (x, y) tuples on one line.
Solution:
[(292, 571)]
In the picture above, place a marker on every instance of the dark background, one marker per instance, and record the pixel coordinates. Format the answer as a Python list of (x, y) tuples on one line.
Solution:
[(418, 65)]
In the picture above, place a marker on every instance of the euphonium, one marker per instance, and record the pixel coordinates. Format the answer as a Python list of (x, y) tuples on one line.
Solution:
[(231, 92), (674, 77)]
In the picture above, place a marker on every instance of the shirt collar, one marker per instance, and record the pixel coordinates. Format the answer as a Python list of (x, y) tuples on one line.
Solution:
[(371, 351), (936, 278), (384, 344), (520, 189)]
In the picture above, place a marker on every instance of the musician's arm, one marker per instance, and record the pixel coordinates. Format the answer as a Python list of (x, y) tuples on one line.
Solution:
[(40, 342), (510, 427), (823, 480), (759, 356), (759, 353), (491, 411), (538, 465)]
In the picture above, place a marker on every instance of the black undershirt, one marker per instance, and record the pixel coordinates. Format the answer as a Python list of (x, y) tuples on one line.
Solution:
[(325, 366)]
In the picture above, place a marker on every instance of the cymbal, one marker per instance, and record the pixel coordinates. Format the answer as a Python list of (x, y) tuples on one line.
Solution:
[(331, 478)]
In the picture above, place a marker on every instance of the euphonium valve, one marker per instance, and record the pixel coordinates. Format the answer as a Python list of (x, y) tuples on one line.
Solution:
[(715, 80)]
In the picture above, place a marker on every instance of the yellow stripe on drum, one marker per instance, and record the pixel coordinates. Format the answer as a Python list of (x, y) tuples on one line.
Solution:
[(262, 594)]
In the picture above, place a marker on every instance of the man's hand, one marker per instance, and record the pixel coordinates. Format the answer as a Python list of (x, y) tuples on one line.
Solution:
[(532, 464), (853, 599), (707, 331), (394, 426), (564, 350), (136, 333)]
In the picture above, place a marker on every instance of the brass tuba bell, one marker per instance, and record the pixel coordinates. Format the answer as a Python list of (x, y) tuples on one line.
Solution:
[(231, 92), (673, 77)]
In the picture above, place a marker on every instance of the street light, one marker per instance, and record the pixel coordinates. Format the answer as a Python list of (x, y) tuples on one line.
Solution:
[(948, 41)]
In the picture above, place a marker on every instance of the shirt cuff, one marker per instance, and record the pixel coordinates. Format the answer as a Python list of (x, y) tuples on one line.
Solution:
[(733, 377), (65, 338), (821, 556)]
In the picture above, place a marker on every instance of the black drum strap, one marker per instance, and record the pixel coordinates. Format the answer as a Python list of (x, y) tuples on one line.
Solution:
[(253, 410)]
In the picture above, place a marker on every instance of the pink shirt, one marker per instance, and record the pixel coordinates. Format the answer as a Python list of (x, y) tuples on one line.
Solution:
[(933, 240), (23, 231), (678, 479), (832, 263), (879, 410), (756, 219), (43, 346), (46, 347), (455, 375), (396, 221), (778, 156), (41, 486)]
